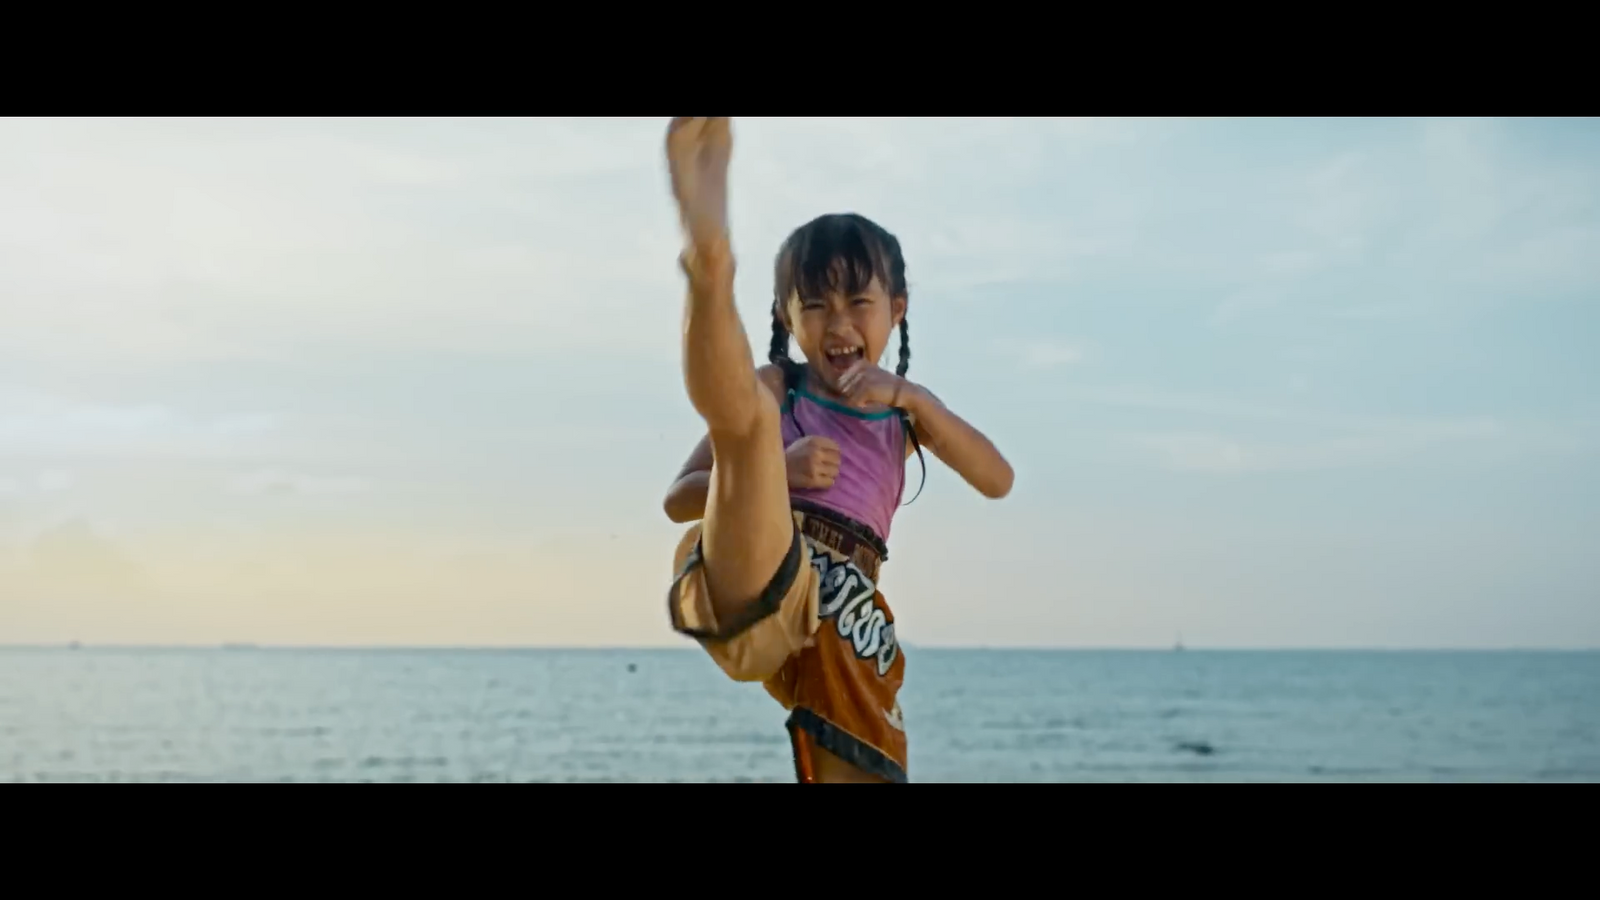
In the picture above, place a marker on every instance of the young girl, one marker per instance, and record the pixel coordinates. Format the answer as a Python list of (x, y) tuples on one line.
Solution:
[(802, 469)]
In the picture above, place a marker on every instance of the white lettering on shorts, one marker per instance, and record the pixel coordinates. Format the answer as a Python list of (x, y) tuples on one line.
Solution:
[(846, 598)]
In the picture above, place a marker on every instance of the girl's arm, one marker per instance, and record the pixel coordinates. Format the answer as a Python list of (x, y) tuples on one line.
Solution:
[(957, 444), (686, 499)]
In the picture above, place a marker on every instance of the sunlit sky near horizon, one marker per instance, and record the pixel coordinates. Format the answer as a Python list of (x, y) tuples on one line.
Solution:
[(1309, 383)]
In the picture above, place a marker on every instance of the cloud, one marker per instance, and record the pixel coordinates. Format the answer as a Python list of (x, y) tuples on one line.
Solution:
[(35, 422), (1462, 166), (55, 482), (1221, 452), (1130, 397), (1443, 216), (1040, 353), (50, 481), (288, 483), (1234, 436), (74, 561), (1217, 453)]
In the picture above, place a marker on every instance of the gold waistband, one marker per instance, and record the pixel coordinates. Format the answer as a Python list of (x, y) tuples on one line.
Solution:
[(829, 531)]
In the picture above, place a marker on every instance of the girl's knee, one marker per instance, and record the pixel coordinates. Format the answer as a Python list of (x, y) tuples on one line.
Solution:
[(754, 644), (763, 426)]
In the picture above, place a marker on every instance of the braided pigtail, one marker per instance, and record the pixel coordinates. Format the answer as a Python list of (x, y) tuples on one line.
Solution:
[(905, 349), (911, 431), (778, 353)]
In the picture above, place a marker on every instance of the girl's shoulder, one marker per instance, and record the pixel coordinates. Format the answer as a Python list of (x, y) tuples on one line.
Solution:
[(774, 378)]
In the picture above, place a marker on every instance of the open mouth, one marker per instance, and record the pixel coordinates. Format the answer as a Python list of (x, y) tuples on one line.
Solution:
[(842, 358)]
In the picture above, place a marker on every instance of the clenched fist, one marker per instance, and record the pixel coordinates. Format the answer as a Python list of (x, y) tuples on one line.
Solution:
[(698, 150), (813, 462)]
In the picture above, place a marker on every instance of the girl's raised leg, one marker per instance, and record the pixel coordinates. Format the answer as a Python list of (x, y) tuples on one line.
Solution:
[(747, 530)]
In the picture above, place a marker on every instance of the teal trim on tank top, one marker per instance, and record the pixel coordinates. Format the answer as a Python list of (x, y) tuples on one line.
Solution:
[(825, 403)]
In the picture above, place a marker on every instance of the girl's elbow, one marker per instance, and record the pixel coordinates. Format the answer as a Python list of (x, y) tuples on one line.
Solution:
[(1001, 486), (673, 506)]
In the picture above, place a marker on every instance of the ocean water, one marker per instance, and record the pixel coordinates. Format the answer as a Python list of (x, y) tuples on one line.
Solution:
[(669, 715)]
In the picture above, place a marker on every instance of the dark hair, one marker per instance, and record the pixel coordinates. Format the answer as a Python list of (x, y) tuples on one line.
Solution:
[(839, 252)]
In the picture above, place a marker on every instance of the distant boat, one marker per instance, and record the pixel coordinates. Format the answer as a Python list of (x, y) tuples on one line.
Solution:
[(1178, 647)]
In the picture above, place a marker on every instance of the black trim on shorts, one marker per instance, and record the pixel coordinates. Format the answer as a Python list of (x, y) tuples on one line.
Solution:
[(842, 744), (764, 605)]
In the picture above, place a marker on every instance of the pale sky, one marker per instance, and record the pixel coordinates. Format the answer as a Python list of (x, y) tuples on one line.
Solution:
[(1264, 382)]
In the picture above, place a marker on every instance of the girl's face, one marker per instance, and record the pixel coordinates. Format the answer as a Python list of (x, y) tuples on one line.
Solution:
[(836, 330)]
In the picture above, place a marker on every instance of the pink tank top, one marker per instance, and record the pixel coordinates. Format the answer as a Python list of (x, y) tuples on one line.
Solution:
[(872, 457)]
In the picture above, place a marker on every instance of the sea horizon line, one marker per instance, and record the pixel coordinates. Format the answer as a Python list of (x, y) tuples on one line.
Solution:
[(636, 648)]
